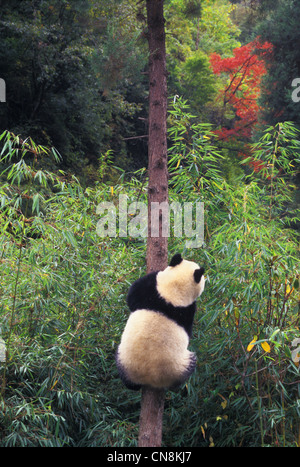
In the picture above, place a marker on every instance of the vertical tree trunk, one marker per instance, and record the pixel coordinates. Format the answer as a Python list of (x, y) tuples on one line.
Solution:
[(157, 254), (151, 417), (152, 405)]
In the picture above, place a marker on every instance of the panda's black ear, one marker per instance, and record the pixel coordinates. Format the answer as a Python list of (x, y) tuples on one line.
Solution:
[(176, 259), (198, 273)]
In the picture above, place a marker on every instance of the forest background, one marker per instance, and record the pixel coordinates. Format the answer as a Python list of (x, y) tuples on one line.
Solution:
[(74, 134)]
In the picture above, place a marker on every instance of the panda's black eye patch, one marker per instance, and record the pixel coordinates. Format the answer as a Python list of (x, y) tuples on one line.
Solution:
[(198, 273)]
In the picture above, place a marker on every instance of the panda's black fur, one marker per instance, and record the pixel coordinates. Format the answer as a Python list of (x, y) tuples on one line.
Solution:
[(143, 297), (143, 294)]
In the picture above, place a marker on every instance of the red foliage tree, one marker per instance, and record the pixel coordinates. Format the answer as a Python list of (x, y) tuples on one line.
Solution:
[(245, 70)]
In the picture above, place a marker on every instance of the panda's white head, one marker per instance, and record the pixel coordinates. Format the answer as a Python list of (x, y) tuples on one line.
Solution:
[(181, 282)]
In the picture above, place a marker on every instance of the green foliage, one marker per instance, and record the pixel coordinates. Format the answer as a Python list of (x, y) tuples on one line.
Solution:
[(193, 33), (76, 73), (240, 396), (63, 304), (217, 30), (277, 153), (197, 78), (71, 67), (74, 80), (279, 25), (192, 156)]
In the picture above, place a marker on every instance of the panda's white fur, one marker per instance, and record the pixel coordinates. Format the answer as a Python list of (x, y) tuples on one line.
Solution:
[(155, 349), (175, 284), (154, 346)]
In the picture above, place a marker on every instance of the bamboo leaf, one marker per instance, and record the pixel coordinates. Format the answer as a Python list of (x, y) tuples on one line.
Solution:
[(251, 345), (266, 347)]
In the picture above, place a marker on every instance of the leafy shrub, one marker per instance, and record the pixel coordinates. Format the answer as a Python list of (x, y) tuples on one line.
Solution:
[(242, 394), (63, 304)]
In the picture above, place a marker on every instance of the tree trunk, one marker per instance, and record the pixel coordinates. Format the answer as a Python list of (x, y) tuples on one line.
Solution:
[(151, 417), (157, 253), (152, 405)]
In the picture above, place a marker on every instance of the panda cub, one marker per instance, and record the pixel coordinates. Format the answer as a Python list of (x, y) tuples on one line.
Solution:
[(154, 345)]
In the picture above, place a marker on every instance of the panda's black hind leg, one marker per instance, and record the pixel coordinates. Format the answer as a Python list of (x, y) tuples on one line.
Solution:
[(132, 386), (129, 384), (126, 381), (187, 373)]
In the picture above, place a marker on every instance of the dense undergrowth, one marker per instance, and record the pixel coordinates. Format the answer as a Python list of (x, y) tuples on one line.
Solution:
[(63, 300)]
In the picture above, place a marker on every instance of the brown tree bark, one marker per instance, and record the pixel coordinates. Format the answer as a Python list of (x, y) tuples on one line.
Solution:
[(151, 417), (152, 404), (157, 253)]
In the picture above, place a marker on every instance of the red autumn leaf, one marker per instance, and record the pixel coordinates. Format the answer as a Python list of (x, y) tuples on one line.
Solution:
[(245, 71)]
